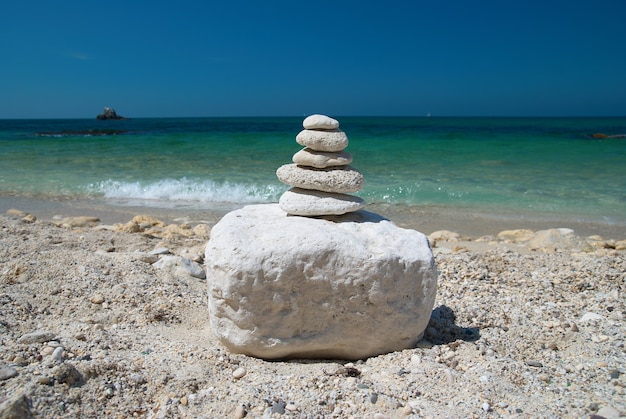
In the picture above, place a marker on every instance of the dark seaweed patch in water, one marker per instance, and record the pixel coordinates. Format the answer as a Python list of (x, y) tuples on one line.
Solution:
[(82, 133)]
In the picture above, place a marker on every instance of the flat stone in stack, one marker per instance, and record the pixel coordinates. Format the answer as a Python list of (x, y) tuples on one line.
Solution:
[(321, 159), (320, 175)]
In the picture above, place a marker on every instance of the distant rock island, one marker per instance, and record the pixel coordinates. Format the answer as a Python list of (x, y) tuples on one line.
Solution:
[(109, 113)]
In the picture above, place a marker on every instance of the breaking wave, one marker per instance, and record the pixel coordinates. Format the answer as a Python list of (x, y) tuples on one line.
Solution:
[(189, 190)]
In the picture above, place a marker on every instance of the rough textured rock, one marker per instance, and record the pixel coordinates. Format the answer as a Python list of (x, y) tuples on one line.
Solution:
[(306, 202), (15, 407), (283, 286), (320, 122), (516, 236), (555, 238), (321, 159), (333, 140), (342, 179)]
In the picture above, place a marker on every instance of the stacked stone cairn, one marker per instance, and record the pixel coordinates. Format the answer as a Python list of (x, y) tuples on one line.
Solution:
[(320, 176), (319, 284)]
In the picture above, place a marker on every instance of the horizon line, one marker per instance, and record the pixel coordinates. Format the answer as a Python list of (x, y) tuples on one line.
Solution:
[(126, 118)]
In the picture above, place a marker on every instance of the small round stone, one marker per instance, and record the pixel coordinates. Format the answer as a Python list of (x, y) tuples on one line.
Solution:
[(318, 121), (240, 412), (239, 373), (57, 355), (7, 372), (97, 299)]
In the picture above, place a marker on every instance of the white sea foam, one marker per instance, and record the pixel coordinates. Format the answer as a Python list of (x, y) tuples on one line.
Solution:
[(188, 190)]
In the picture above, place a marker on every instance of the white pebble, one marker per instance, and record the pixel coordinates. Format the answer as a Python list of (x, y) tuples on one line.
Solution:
[(450, 377), (57, 355), (239, 372), (486, 407), (589, 316), (320, 122), (240, 412)]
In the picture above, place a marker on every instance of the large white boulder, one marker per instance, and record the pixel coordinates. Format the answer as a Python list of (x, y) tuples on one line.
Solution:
[(347, 287)]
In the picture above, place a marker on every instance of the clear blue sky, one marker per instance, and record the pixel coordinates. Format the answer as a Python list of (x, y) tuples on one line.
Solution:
[(262, 58)]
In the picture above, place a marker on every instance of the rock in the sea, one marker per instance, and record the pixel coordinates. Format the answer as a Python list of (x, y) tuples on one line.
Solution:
[(340, 179), (321, 159), (307, 202), (284, 287), (320, 122), (109, 113), (333, 140)]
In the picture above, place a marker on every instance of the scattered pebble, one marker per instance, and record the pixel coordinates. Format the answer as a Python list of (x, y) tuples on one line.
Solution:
[(6, 372), (160, 251), (240, 412), (373, 397), (36, 337), (609, 412), (57, 355), (239, 373), (97, 299), (589, 317)]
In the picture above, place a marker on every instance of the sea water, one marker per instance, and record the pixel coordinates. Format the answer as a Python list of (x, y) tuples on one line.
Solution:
[(542, 166)]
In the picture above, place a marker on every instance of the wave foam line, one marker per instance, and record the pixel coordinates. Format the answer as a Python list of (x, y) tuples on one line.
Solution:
[(188, 190)]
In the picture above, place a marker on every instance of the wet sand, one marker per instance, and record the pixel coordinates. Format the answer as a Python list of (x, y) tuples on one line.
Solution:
[(426, 219)]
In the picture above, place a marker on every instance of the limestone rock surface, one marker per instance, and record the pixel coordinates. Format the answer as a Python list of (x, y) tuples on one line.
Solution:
[(284, 287), (333, 140), (317, 121), (307, 202), (321, 159), (342, 179)]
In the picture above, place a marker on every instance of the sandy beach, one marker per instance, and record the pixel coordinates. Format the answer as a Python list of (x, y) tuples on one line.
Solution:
[(99, 317)]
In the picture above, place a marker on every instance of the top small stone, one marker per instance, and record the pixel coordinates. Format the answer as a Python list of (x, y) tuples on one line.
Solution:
[(320, 122)]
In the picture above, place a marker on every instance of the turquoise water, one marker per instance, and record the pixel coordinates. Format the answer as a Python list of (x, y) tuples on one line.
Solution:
[(530, 165)]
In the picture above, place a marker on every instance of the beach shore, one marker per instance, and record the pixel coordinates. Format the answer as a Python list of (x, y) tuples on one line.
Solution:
[(98, 318), (426, 219)]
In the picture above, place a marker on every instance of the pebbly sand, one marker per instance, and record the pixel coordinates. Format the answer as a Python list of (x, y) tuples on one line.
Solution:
[(98, 318)]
